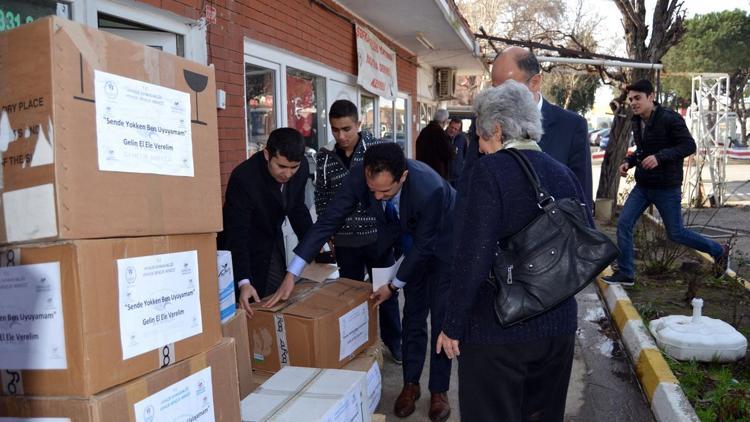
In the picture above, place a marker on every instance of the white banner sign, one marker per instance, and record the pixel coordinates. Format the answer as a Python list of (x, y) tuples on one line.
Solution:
[(32, 332), (159, 301), (191, 399), (353, 330), (376, 61), (142, 127)]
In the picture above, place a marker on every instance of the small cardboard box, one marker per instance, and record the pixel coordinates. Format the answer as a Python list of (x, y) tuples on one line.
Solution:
[(202, 388), (236, 328), (226, 285), (103, 137), (82, 316), (319, 326), (371, 362), (309, 394)]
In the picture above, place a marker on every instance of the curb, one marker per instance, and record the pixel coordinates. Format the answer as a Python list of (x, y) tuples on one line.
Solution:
[(663, 391)]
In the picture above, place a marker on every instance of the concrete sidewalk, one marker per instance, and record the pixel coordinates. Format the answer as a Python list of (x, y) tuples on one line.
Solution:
[(602, 386)]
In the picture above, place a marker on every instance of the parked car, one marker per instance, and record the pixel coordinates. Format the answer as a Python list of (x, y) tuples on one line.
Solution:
[(596, 137), (604, 141)]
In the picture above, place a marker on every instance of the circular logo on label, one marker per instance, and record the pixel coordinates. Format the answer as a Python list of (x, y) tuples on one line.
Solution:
[(130, 275), (148, 413), (110, 89)]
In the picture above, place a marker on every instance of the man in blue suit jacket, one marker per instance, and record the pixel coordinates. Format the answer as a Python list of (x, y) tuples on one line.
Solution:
[(413, 207), (565, 132)]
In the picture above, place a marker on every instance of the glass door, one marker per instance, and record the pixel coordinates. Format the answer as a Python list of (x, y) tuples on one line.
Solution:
[(262, 102)]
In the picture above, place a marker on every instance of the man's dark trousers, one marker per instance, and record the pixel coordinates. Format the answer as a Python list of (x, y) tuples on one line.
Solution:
[(353, 262), (423, 296)]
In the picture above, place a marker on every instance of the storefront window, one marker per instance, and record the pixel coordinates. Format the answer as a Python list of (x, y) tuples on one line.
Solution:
[(367, 114), (386, 118), (261, 106), (426, 111), (401, 123), (306, 106)]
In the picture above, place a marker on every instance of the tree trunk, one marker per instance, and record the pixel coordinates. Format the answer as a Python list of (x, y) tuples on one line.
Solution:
[(609, 179)]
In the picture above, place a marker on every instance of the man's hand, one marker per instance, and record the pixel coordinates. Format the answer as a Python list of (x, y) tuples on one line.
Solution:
[(624, 167), (447, 344), (650, 162), (246, 292), (285, 290), (381, 295)]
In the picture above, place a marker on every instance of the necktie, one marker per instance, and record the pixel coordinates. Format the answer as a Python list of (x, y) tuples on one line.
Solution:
[(391, 213), (405, 239)]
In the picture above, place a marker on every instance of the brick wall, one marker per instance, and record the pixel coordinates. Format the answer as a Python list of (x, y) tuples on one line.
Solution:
[(294, 25)]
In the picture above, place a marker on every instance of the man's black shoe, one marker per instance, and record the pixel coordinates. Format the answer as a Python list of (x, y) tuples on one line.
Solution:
[(619, 278)]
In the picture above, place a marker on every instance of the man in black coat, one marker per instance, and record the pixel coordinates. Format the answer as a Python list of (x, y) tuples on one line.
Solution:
[(262, 192), (413, 208)]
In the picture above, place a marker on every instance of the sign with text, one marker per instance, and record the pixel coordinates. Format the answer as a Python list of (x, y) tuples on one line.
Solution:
[(159, 301), (142, 127), (32, 332), (353, 330), (190, 399), (376, 65)]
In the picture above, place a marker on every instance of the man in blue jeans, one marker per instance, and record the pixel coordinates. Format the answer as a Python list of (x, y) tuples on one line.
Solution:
[(662, 142)]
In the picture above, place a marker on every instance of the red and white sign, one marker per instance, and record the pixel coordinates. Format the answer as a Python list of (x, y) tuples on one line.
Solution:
[(377, 65)]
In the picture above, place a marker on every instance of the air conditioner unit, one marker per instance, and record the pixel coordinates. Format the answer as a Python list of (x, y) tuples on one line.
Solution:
[(446, 83)]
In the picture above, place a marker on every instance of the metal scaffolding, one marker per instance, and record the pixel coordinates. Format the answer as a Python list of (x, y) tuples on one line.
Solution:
[(710, 121)]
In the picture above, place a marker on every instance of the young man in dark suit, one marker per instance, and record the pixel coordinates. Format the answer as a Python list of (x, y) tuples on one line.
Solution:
[(413, 208), (565, 132), (262, 192)]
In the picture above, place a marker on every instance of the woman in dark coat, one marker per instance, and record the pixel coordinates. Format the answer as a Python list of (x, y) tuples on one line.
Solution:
[(519, 373)]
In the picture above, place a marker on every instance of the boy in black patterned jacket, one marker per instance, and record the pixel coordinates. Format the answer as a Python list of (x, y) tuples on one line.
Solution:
[(354, 243)]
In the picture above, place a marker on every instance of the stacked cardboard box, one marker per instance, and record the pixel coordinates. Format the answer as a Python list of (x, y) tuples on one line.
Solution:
[(309, 394), (321, 325), (110, 165), (195, 389)]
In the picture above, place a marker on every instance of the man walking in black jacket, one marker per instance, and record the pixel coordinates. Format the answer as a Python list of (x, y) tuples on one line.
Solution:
[(662, 142)]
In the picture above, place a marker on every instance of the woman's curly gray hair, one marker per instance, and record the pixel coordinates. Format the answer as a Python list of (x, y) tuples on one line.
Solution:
[(512, 106)]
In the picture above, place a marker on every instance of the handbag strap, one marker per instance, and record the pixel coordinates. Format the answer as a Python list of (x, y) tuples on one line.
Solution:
[(541, 194)]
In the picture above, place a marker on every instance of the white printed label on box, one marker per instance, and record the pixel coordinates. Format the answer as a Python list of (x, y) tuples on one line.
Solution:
[(374, 386), (349, 408), (34, 419), (142, 127), (353, 330), (30, 213), (32, 331), (190, 399), (159, 301)]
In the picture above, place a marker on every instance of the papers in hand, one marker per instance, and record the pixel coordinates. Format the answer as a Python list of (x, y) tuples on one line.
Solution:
[(383, 276)]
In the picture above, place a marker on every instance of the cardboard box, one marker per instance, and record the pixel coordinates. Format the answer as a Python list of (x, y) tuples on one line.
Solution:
[(319, 326), (207, 387), (236, 328), (226, 285), (105, 137), (309, 394), (370, 362), (82, 316), (259, 377)]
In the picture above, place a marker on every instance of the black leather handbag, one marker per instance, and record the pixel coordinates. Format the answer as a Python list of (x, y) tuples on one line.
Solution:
[(549, 260)]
